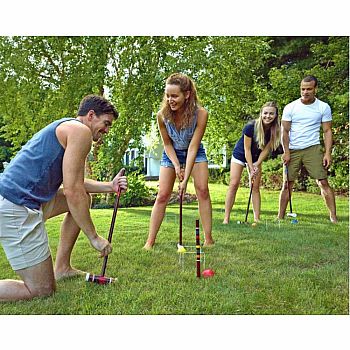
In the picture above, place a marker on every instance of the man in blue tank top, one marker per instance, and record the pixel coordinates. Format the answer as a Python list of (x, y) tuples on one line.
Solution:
[(31, 193)]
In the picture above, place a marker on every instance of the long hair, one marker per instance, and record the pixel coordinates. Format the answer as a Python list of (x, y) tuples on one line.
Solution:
[(259, 132), (191, 104)]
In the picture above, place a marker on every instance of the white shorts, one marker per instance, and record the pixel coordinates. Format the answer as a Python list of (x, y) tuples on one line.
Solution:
[(23, 235), (237, 161)]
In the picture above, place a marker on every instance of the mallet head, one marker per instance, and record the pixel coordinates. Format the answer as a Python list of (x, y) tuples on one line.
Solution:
[(292, 215), (99, 279)]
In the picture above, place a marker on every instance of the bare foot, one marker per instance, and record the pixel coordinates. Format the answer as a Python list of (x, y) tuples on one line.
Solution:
[(208, 243), (68, 273), (225, 222), (148, 246), (333, 220)]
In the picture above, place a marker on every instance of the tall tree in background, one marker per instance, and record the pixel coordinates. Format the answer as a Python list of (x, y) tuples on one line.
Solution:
[(328, 59), (44, 78), (134, 86)]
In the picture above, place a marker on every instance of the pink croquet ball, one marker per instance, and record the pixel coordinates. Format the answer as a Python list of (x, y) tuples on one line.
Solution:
[(208, 273)]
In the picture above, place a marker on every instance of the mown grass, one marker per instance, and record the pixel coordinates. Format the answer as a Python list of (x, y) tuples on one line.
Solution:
[(274, 268)]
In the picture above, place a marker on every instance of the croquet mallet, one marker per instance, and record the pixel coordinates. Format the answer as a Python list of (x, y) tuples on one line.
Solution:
[(198, 250), (290, 214), (180, 247), (250, 197), (102, 279)]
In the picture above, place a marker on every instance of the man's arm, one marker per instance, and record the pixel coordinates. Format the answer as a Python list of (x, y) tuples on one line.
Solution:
[(119, 181), (328, 142), (285, 128), (78, 141)]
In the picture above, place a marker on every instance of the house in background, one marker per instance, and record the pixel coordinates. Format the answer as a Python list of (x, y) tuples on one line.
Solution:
[(151, 160)]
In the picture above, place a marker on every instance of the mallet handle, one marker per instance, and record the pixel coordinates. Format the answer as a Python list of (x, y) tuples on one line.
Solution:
[(180, 219), (250, 196), (290, 196), (111, 228), (180, 202), (198, 250)]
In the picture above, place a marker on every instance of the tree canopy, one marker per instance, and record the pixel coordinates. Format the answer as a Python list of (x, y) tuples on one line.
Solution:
[(44, 78)]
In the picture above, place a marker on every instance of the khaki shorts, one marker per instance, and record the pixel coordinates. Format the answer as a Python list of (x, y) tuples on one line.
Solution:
[(22, 233), (311, 158)]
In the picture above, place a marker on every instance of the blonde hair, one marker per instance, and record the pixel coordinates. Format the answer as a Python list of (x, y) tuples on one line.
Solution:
[(259, 132), (191, 104)]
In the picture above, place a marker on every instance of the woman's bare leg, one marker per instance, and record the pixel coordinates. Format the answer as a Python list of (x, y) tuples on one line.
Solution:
[(166, 184)]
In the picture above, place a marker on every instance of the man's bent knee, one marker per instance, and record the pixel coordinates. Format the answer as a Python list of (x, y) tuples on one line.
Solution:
[(39, 279), (42, 291)]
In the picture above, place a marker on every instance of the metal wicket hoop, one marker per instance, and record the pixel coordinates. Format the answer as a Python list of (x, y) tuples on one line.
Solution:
[(194, 249)]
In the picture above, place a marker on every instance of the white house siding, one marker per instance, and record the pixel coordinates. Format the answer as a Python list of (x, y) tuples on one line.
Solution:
[(152, 160)]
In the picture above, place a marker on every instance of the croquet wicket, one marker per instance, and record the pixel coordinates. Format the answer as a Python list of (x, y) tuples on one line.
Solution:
[(197, 249)]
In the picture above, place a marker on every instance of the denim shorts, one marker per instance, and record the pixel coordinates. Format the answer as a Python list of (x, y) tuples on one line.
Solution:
[(182, 156)]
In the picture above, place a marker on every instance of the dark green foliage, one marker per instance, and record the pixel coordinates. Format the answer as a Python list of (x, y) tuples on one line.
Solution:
[(44, 78), (272, 174), (339, 170), (328, 59), (138, 193), (5, 153), (218, 175)]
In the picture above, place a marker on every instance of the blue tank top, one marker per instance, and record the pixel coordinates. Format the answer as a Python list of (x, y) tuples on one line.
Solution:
[(35, 174), (181, 139), (248, 130)]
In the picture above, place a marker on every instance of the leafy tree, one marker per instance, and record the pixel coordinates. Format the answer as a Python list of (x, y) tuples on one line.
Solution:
[(327, 59), (44, 78), (136, 88), (228, 86)]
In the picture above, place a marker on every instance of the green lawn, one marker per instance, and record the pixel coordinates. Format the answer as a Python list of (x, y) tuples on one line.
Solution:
[(271, 269)]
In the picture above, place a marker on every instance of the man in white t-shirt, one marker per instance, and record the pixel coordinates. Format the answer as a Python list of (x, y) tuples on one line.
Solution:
[(301, 122)]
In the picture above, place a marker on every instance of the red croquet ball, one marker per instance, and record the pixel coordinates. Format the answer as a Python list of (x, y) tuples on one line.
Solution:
[(208, 273)]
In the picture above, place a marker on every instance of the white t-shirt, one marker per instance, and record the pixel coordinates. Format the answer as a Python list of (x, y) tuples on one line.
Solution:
[(306, 122)]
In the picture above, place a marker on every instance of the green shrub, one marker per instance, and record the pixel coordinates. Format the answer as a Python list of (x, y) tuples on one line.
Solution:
[(102, 203), (218, 175), (138, 194), (226, 178), (339, 177), (272, 174)]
